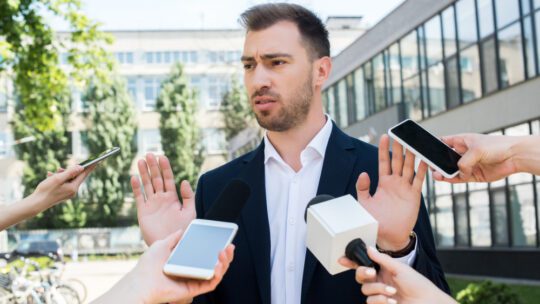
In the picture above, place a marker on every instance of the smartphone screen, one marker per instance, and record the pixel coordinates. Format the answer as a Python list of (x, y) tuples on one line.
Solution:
[(428, 146), (96, 158), (200, 246)]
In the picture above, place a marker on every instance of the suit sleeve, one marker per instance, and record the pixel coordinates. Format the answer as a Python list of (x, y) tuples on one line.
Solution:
[(426, 261)]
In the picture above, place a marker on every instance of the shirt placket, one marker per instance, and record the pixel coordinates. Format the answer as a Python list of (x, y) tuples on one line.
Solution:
[(290, 239)]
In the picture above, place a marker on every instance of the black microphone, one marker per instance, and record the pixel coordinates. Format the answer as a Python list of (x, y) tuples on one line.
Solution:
[(356, 249), (230, 202)]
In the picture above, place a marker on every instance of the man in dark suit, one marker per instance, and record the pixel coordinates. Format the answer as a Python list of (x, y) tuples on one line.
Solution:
[(286, 60)]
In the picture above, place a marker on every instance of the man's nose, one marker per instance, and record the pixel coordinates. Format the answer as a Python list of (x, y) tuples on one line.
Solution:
[(261, 77)]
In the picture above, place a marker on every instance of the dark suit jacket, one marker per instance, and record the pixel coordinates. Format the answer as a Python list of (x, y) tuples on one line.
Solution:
[(248, 278)]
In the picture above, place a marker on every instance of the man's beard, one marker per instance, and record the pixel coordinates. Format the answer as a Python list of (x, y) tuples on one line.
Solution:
[(291, 114)]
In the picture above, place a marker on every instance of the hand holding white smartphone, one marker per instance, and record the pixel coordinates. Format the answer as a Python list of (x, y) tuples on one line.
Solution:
[(196, 255), (427, 147)]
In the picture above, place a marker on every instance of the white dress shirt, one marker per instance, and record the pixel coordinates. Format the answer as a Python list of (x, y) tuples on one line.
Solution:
[(287, 195)]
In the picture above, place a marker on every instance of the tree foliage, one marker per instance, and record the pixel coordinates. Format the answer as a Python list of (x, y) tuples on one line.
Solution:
[(235, 110), (180, 134), (112, 118), (30, 54)]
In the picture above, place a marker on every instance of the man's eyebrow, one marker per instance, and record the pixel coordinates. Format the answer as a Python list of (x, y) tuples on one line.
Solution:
[(266, 56)]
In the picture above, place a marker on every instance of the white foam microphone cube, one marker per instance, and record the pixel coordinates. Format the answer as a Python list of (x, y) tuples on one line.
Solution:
[(331, 225)]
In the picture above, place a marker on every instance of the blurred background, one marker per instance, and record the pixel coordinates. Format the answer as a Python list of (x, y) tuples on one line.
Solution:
[(78, 77)]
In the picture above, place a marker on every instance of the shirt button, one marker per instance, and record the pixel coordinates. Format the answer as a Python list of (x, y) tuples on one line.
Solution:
[(291, 221), (290, 267)]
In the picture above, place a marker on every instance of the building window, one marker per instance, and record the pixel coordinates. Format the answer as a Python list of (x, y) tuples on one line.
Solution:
[(452, 81), (528, 43), (395, 73), (214, 140), (217, 87), (471, 87), (461, 214), (507, 12), (149, 141), (489, 65), (466, 17), (378, 82), (479, 215), (485, 18), (342, 102), (124, 57), (449, 31), (511, 56), (351, 103), (3, 101), (359, 93), (151, 92), (5, 144), (437, 101), (80, 144), (412, 98), (331, 103), (444, 218)]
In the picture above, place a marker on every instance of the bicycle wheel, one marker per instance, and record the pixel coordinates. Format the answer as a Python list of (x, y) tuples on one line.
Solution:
[(63, 294), (79, 286)]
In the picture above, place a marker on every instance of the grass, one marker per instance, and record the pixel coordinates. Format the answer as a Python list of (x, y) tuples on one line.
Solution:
[(529, 294)]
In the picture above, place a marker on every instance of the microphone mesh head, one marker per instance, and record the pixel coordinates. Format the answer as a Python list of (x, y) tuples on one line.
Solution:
[(316, 200)]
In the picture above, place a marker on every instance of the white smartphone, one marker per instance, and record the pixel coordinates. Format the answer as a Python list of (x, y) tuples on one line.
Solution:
[(429, 148), (97, 158), (196, 255)]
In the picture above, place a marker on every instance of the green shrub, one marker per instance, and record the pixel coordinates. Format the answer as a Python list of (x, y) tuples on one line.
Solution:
[(488, 292)]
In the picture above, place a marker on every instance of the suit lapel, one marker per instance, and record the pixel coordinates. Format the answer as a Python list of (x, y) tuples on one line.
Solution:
[(336, 175), (255, 220)]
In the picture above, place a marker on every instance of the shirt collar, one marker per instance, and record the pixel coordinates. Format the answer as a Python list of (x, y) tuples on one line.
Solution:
[(318, 143)]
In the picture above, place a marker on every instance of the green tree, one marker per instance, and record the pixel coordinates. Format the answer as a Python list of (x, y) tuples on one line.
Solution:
[(29, 53), (112, 124), (235, 110), (180, 134)]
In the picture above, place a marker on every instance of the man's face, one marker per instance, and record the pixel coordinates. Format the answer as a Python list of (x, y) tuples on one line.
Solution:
[(278, 76)]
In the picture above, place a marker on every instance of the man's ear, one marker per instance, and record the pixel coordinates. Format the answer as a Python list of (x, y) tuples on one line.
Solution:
[(321, 70)]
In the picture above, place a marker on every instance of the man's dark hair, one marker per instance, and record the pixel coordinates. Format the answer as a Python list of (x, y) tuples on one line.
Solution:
[(311, 28)]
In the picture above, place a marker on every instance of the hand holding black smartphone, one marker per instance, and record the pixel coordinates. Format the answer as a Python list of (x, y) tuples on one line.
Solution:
[(94, 159), (429, 148)]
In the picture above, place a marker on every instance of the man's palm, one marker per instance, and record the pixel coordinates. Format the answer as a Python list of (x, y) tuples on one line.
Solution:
[(161, 212), (396, 201)]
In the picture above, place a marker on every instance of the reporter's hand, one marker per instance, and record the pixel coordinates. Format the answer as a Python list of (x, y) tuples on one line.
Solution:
[(60, 186), (396, 201), (161, 288), (395, 282), (147, 283), (161, 212), (485, 158)]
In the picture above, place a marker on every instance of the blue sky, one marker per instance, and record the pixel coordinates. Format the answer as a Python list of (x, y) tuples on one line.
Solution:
[(209, 14)]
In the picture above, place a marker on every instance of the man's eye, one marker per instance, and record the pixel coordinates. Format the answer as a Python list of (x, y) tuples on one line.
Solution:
[(247, 66), (278, 62)]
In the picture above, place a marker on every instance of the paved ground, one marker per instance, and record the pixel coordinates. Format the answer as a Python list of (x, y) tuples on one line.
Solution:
[(98, 276)]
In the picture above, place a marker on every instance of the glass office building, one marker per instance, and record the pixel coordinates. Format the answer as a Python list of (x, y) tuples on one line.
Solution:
[(455, 66)]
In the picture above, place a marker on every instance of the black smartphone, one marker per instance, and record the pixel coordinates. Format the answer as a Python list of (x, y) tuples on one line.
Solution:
[(426, 146), (100, 157)]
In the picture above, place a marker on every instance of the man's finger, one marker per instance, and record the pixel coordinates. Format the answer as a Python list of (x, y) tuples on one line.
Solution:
[(157, 179), (376, 288), (137, 192), (408, 166), (420, 176), (384, 156), (188, 197), (397, 158), (362, 187), (166, 171), (467, 162), (345, 262), (70, 173), (365, 274), (145, 177), (378, 299)]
